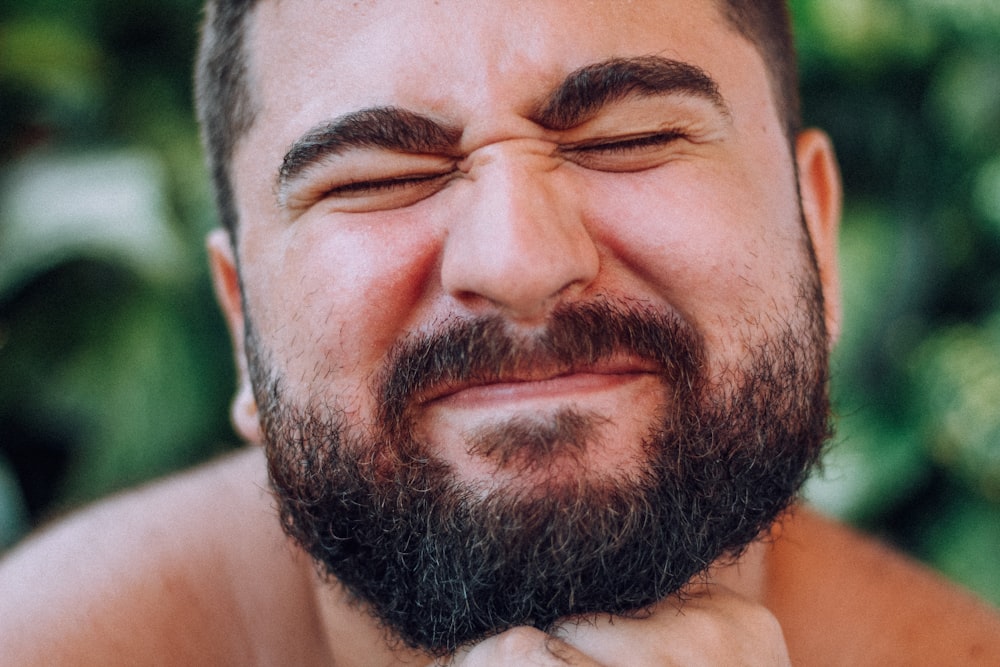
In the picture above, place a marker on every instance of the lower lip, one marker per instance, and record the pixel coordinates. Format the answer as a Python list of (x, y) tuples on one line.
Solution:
[(564, 387)]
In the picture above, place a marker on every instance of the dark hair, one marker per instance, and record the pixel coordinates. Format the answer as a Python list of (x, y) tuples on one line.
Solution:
[(767, 24), (223, 95), (226, 107)]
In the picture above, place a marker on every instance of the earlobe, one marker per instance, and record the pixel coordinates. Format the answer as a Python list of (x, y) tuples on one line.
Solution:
[(225, 278), (819, 185)]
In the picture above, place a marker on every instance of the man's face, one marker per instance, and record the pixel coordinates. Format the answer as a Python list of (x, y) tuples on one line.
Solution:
[(523, 253)]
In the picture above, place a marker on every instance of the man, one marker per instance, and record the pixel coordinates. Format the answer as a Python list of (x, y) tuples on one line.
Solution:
[(531, 304)]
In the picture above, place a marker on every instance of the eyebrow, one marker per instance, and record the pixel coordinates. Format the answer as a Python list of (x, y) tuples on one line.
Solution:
[(580, 96), (589, 89), (390, 128)]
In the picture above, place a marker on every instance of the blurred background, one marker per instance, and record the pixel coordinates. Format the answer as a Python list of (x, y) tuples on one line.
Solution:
[(115, 366)]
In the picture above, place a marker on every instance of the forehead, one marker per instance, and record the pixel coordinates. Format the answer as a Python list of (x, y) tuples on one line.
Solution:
[(463, 60)]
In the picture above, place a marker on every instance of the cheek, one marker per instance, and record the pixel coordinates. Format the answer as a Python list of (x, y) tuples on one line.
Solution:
[(718, 244), (337, 299), (672, 228)]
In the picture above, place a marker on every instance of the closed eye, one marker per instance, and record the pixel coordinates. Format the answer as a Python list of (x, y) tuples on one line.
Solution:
[(362, 188), (380, 194), (624, 154)]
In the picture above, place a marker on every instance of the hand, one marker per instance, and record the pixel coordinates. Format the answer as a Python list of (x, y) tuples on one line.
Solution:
[(711, 626), (520, 646)]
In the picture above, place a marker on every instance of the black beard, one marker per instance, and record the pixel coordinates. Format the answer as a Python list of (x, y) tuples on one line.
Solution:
[(442, 566)]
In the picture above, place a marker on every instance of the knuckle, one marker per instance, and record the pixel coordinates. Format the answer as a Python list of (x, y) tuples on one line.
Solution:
[(763, 621), (529, 646), (519, 641)]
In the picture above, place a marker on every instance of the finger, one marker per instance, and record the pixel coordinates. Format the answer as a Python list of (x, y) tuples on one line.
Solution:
[(710, 626), (521, 646)]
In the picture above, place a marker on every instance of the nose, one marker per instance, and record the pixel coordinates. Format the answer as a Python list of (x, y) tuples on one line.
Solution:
[(520, 242)]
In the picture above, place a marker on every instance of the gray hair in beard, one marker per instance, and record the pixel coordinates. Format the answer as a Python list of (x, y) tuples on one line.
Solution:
[(441, 566)]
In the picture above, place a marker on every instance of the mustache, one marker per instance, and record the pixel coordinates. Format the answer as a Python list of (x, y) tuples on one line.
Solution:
[(487, 349)]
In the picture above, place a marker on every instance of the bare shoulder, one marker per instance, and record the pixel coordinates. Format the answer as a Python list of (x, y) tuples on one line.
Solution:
[(843, 598), (190, 570)]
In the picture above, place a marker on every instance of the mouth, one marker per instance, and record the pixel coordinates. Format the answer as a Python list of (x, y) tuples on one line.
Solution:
[(539, 383)]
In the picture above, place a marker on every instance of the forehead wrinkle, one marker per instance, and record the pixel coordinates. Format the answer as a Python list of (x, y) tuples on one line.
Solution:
[(589, 89)]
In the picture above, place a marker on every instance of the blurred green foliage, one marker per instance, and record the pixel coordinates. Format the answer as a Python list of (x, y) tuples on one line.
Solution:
[(910, 92), (115, 365)]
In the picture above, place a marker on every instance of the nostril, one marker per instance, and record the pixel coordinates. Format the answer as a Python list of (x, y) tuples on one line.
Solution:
[(523, 282)]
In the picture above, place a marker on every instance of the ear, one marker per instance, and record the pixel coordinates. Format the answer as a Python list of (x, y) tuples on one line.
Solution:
[(225, 277), (819, 185)]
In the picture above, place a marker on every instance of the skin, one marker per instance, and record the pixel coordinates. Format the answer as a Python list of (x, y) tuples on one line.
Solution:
[(514, 216), (137, 580), (195, 570), (708, 226)]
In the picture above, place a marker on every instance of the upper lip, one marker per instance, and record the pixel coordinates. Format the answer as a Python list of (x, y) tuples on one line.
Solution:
[(610, 366)]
